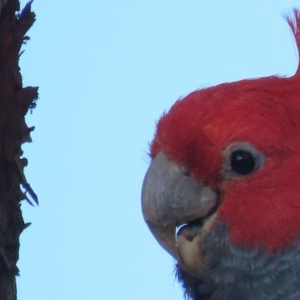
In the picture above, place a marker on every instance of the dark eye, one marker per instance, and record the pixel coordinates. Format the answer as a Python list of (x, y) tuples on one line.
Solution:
[(240, 159), (242, 162)]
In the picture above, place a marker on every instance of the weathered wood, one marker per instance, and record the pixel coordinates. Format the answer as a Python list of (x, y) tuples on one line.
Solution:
[(15, 101)]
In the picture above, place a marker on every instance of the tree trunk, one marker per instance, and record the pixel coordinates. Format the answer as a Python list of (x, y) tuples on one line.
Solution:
[(14, 104)]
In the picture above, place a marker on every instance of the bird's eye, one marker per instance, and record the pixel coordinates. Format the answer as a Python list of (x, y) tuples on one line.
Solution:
[(241, 159), (242, 162)]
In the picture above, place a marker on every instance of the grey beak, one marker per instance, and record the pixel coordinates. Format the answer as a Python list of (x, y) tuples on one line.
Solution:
[(170, 198)]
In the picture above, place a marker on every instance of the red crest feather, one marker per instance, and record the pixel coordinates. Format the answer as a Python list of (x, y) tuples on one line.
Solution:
[(294, 23)]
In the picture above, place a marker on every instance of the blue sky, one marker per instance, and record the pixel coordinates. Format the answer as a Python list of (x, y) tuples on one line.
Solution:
[(107, 70)]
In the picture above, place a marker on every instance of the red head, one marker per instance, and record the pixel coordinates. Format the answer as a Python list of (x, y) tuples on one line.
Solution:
[(199, 132)]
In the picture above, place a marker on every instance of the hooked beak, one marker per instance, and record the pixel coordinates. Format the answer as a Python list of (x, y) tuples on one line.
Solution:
[(172, 199)]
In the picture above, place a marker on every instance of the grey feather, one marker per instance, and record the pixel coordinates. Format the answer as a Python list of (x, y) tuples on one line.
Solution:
[(234, 272)]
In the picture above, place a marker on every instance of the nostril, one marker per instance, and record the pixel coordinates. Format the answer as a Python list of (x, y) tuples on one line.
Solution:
[(184, 170)]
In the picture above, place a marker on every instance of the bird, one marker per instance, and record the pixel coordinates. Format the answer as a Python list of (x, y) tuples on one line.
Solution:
[(222, 192)]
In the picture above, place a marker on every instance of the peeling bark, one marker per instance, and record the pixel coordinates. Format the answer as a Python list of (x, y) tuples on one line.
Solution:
[(15, 101)]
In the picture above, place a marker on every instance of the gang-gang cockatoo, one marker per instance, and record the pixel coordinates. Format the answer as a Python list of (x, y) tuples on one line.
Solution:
[(222, 193)]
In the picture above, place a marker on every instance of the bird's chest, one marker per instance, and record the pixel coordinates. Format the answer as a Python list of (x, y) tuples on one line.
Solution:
[(233, 272)]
